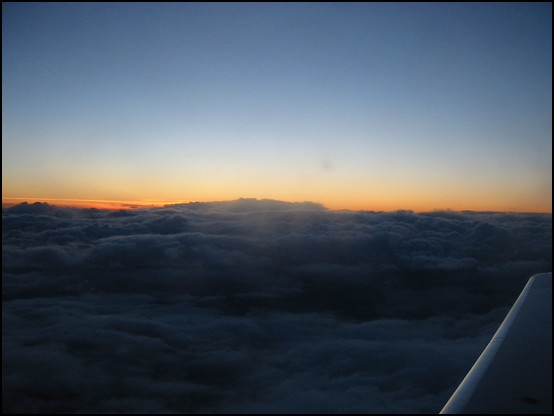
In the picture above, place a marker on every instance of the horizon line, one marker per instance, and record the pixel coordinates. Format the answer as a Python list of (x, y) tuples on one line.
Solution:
[(7, 202)]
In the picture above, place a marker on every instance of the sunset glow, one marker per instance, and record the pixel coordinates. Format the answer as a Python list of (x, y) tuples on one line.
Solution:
[(267, 208), (354, 106)]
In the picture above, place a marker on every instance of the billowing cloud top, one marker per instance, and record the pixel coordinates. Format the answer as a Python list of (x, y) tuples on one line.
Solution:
[(253, 306)]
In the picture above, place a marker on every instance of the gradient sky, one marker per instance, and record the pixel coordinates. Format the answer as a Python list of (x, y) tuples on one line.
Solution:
[(357, 106)]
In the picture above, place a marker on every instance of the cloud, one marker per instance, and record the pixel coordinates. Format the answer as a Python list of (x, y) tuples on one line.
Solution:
[(253, 306)]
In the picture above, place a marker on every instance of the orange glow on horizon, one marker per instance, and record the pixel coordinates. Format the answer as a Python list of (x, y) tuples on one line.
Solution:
[(90, 203), (353, 204)]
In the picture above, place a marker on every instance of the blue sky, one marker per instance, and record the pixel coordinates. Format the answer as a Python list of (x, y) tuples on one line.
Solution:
[(360, 106)]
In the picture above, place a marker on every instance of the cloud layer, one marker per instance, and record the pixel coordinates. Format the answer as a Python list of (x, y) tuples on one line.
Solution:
[(253, 306)]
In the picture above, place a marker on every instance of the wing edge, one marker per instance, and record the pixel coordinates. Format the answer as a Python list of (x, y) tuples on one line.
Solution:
[(462, 395)]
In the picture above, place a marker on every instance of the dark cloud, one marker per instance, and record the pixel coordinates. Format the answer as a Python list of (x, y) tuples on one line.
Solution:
[(253, 306)]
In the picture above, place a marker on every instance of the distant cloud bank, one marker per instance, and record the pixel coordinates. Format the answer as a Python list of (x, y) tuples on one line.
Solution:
[(253, 305)]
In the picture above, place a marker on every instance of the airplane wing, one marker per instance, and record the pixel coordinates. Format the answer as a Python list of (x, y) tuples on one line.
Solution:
[(514, 372)]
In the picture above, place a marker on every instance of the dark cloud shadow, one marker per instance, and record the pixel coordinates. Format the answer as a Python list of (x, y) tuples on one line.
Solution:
[(253, 306)]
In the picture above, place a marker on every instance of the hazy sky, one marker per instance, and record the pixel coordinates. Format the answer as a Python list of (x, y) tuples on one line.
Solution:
[(358, 106)]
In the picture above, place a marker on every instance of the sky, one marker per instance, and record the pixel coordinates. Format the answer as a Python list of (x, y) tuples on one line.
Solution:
[(254, 306), (354, 106)]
